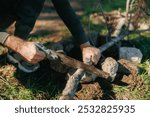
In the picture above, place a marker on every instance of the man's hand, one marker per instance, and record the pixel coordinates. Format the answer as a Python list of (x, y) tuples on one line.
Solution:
[(27, 50), (90, 53), (30, 52)]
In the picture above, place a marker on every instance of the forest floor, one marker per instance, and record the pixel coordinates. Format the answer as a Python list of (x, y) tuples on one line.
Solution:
[(47, 83)]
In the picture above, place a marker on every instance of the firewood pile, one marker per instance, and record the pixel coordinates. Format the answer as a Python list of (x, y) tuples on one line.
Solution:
[(129, 57)]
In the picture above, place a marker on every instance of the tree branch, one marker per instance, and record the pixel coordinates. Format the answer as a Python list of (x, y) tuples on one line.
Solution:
[(74, 80)]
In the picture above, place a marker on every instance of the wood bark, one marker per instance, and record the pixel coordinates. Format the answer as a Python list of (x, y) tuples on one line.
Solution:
[(78, 65), (72, 83)]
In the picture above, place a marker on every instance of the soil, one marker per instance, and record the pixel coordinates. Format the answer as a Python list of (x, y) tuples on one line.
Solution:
[(89, 91), (50, 25), (102, 89)]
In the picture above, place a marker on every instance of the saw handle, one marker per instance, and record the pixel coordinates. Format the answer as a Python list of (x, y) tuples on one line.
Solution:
[(50, 54)]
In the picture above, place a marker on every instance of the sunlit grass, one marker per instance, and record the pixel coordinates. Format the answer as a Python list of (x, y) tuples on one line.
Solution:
[(44, 85)]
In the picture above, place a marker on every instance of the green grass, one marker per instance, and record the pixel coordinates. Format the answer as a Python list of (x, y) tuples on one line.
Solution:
[(141, 41), (107, 5), (47, 84), (143, 73)]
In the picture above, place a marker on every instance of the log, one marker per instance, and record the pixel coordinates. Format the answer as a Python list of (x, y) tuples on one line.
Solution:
[(72, 84), (71, 62), (74, 80), (78, 64)]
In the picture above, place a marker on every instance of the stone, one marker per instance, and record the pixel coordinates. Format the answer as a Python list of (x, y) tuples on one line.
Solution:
[(110, 66), (130, 53)]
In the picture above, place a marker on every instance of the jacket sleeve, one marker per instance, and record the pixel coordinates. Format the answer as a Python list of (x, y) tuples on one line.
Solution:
[(3, 37), (70, 19), (27, 13)]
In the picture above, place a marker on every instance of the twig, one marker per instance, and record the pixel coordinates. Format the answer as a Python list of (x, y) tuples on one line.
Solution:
[(73, 81), (4, 80), (106, 23), (127, 9)]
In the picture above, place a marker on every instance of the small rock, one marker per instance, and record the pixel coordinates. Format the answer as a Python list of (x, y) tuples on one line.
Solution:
[(130, 53), (110, 66)]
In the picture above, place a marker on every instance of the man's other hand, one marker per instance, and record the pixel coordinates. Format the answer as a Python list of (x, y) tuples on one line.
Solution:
[(26, 49), (90, 53)]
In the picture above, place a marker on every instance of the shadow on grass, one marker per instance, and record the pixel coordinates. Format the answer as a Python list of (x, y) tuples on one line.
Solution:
[(143, 43), (41, 33), (45, 82), (107, 89), (48, 84), (3, 59)]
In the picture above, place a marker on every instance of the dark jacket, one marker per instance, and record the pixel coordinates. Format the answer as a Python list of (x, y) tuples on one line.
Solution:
[(25, 13)]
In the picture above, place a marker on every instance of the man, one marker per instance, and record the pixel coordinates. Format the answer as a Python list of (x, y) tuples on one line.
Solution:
[(25, 13)]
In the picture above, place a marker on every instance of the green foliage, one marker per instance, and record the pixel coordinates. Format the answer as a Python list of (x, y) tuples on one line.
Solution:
[(142, 42), (110, 5)]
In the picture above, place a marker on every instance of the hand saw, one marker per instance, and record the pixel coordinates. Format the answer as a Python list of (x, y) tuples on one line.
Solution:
[(71, 62)]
